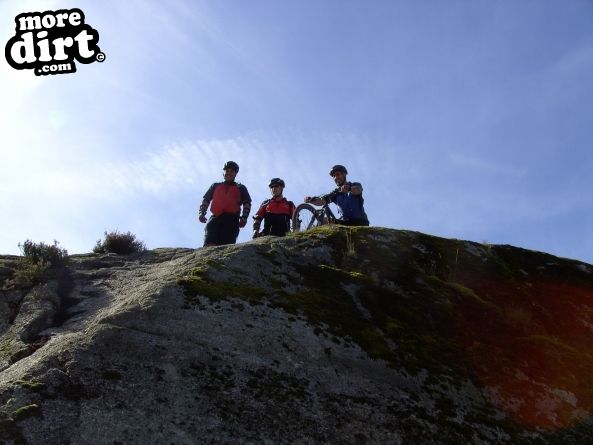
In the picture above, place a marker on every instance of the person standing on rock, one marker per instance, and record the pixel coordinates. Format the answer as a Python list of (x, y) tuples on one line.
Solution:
[(347, 196), (275, 212), (227, 199)]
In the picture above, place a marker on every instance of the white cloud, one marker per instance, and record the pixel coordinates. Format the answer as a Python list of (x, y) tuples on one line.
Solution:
[(182, 166)]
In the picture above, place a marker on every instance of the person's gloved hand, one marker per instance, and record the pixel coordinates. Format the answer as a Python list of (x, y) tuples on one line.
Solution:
[(202, 218), (242, 222)]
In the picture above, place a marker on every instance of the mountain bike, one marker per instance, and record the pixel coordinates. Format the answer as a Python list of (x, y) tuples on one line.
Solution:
[(306, 216)]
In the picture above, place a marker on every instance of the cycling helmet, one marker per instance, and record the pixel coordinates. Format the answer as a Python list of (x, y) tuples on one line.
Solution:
[(338, 168), (232, 165), (276, 181)]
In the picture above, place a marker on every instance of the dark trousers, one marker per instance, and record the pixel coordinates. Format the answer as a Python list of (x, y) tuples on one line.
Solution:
[(352, 222), (221, 229), (276, 224)]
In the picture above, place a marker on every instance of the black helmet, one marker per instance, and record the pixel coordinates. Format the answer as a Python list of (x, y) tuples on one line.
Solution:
[(276, 181), (231, 164), (338, 168)]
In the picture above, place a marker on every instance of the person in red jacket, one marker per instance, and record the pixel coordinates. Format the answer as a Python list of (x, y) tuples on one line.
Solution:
[(275, 212), (227, 198)]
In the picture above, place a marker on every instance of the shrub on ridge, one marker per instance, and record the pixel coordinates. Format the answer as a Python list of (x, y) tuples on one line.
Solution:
[(120, 243), (40, 262)]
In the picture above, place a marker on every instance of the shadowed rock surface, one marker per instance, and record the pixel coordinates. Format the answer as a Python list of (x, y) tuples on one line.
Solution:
[(338, 335)]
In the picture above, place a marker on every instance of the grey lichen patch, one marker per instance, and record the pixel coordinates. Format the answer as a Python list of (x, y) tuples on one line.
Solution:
[(25, 412), (268, 385), (197, 283), (35, 386), (268, 253), (214, 262), (460, 292)]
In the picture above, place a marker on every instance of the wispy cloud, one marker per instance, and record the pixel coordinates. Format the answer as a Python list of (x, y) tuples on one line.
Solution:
[(190, 165)]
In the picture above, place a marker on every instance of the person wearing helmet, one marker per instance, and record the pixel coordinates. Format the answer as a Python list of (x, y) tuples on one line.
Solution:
[(227, 198), (276, 212), (347, 196)]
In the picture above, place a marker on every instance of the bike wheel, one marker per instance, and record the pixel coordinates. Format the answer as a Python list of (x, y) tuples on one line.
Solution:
[(304, 218)]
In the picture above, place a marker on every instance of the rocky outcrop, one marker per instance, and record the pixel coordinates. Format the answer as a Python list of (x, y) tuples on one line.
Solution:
[(338, 335)]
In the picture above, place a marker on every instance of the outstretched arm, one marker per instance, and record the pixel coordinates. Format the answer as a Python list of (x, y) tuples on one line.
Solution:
[(314, 200), (356, 188), (321, 200)]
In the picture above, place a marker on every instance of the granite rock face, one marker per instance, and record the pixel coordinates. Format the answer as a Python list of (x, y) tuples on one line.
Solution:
[(338, 335)]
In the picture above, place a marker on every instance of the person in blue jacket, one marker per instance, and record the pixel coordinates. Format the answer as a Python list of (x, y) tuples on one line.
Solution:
[(347, 196)]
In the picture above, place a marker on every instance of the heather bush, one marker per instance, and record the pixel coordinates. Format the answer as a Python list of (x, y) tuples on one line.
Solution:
[(120, 243), (40, 262), (44, 254)]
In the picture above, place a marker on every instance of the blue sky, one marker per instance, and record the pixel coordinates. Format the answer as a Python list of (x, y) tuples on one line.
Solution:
[(462, 119)]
